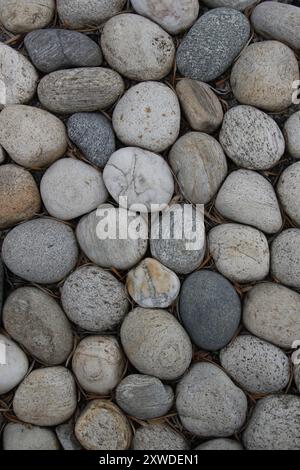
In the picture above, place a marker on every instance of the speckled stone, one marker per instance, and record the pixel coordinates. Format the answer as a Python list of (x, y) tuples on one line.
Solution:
[(212, 44), (92, 133), (15, 368), (285, 258), (80, 14), (288, 190), (259, 367), (55, 49), (297, 377), (20, 17), (292, 135), (209, 403), (237, 4), (41, 250), (17, 436), (275, 424), (210, 309), (220, 444), (251, 138), (158, 437), (66, 436)]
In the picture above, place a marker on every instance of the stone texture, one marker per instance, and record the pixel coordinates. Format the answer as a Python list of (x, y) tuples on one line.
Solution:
[(2, 155), (41, 250), (251, 138), (55, 49), (76, 14), (152, 50), (220, 444), (36, 321), (264, 74), (288, 190), (82, 89), (66, 436), (156, 344), (1, 286), (285, 257), (237, 4), (199, 165), (209, 403), (292, 135), (210, 309), (297, 377), (148, 116), (20, 17), (158, 437), (16, 367), (249, 198), (212, 44), (17, 436)]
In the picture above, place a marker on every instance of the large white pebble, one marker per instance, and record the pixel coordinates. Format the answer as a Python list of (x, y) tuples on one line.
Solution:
[(17, 436), (292, 135), (288, 190), (19, 16), (14, 366), (80, 14)]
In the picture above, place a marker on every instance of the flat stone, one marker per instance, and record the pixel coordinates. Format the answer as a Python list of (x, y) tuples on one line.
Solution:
[(19, 195), (209, 403), (144, 397), (156, 344), (259, 367), (148, 116), (212, 44), (142, 178), (285, 258), (55, 49), (236, 4), (82, 89), (66, 436), (17, 436), (158, 437), (20, 17), (272, 312), (292, 135), (263, 76), (251, 138), (46, 397), (288, 190), (274, 424), (41, 250), (210, 309), (93, 134), (71, 188), (76, 14), (200, 104), (31, 136), (152, 51), (220, 444), (241, 253), (199, 165), (36, 321), (16, 367), (248, 198)]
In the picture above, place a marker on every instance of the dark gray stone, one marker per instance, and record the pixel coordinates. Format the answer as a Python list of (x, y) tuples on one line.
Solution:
[(55, 49), (212, 44), (210, 309), (93, 134)]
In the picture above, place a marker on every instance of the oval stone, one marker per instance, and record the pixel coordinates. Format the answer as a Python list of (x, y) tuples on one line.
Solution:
[(292, 135), (15, 367), (236, 4), (20, 17), (158, 437), (80, 14), (18, 436), (66, 435), (285, 258), (288, 190), (220, 445)]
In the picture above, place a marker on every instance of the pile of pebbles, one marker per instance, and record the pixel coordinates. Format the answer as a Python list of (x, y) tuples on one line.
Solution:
[(118, 344)]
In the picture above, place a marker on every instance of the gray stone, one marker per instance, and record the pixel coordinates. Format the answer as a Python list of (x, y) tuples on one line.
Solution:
[(220, 444), (292, 135), (212, 44), (297, 377), (20, 17), (144, 397), (76, 14), (209, 403), (93, 134), (13, 371), (1, 286), (2, 155), (259, 367), (275, 424), (288, 190), (17, 436), (66, 436), (237, 4), (55, 49), (285, 258), (41, 250), (158, 437), (210, 309)]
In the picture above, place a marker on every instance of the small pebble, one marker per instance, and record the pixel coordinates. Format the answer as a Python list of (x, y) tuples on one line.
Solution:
[(17, 436), (80, 14), (220, 444), (15, 367), (285, 257), (236, 4), (66, 436), (158, 437), (20, 17), (292, 135), (288, 190)]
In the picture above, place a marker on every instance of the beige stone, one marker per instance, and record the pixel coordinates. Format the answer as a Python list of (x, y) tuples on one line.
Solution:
[(19, 16)]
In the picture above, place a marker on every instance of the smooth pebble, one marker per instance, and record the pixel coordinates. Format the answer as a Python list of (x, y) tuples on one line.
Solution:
[(292, 135), (285, 257), (80, 14), (237, 4), (288, 190), (18, 436), (15, 367), (220, 445), (21, 17), (66, 435), (158, 437)]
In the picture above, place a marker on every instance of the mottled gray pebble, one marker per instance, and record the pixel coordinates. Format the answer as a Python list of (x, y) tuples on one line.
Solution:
[(285, 258), (158, 437), (297, 376), (17, 436), (288, 190), (81, 14), (66, 436), (220, 444), (20, 17), (292, 135), (1, 286)]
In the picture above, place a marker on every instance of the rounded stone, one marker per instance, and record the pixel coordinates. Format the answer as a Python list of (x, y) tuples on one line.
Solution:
[(66, 435), (36, 321), (209, 403), (15, 367), (158, 437), (55, 49), (292, 135), (93, 134), (71, 188), (259, 367), (156, 344), (152, 50), (241, 253), (20, 17), (220, 444), (297, 377), (200, 104), (102, 426), (285, 258), (144, 397), (274, 424), (175, 16), (1, 286), (251, 138), (152, 285), (80, 14), (263, 76), (148, 116), (210, 309), (41, 250), (82, 89), (272, 312), (98, 364), (199, 165), (18, 77), (17, 436), (288, 190), (212, 44), (31, 136), (248, 198), (142, 178), (19, 195), (236, 4), (123, 249), (46, 397)]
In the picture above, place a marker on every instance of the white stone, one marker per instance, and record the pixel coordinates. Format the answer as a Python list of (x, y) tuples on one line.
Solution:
[(19, 16), (13, 364), (17, 436), (292, 135), (285, 258), (288, 190), (79, 14)]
